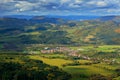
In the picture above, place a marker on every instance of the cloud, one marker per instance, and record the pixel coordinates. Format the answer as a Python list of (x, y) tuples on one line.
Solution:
[(101, 3), (61, 6), (97, 3), (78, 1), (74, 5), (24, 5), (51, 6), (64, 1), (6, 1)]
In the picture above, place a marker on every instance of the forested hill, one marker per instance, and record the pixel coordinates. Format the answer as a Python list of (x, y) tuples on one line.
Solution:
[(44, 30)]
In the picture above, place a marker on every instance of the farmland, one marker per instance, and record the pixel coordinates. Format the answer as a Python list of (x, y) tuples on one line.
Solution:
[(79, 71), (85, 68), (91, 64)]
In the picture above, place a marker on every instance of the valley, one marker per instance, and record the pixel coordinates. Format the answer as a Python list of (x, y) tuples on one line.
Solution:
[(57, 49), (59, 39), (93, 63)]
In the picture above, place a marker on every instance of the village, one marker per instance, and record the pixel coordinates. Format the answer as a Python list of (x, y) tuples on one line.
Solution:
[(75, 53), (70, 52)]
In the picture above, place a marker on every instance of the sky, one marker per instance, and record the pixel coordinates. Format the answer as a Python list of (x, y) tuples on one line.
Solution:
[(59, 7)]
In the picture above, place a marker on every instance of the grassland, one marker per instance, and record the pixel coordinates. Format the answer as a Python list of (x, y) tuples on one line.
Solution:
[(82, 71), (52, 62), (79, 72), (91, 50), (106, 48)]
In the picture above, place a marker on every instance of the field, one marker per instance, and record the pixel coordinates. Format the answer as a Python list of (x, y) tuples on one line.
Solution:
[(81, 71), (84, 72), (105, 48), (53, 62), (80, 68)]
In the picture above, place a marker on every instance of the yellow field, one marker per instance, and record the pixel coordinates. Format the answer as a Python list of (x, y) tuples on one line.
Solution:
[(83, 61), (85, 70), (80, 70), (53, 62)]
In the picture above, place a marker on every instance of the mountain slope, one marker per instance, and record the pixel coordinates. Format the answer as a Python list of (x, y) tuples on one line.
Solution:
[(43, 30), (102, 33)]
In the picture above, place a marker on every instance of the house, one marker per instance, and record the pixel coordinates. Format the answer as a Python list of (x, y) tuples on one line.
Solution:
[(54, 50)]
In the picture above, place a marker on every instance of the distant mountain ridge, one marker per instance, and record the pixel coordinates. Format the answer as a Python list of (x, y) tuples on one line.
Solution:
[(76, 17), (42, 19), (69, 17), (108, 18), (18, 16), (46, 30)]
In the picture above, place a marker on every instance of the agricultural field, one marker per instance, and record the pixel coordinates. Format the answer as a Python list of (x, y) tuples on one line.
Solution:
[(53, 62), (17, 67), (95, 66), (78, 72), (84, 69), (105, 48)]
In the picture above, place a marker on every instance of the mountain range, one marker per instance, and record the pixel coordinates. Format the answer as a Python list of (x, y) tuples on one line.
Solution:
[(68, 17), (16, 30)]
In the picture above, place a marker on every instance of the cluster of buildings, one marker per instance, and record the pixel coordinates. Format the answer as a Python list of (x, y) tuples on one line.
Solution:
[(48, 50), (70, 52)]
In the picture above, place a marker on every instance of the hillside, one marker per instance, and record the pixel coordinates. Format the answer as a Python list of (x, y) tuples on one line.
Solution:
[(46, 30)]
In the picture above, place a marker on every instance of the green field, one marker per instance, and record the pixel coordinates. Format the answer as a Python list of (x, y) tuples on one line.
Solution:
[(53, 62), (106, 48), (84, 68), (82, 72)]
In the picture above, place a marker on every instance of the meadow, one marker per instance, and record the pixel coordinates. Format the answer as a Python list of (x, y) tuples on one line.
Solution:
[(79, 68), (79, 72), (82, 71)]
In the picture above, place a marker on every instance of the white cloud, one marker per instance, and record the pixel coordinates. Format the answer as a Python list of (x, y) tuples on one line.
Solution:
[(64, 1), (78, 1), (24, 5), (113, 10), (50, 6), (72, 5), (97, 3), (6, 1), (101, 3), (54, 7)]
